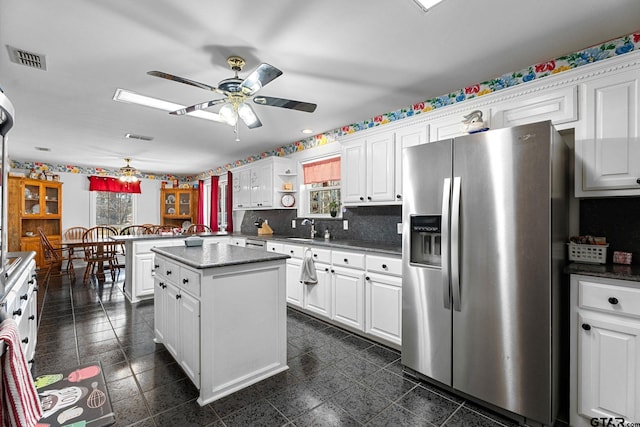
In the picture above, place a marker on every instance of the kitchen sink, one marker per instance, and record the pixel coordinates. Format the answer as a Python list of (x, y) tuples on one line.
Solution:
[(301, 239)]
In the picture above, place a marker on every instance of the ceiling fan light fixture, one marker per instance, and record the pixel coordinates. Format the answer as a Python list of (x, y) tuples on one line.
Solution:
[(228, 114), (426, 5), (247, 115), (128, 173)]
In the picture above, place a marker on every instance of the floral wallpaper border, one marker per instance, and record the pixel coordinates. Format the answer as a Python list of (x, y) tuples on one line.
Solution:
[(608, 49)]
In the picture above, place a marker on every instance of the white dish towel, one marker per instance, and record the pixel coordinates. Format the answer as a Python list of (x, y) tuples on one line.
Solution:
[(308, 274)]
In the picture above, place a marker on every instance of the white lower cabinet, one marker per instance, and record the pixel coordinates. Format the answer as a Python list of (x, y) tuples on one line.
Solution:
[(348, 297), (605, 351), (295, 295), (383, 307), (144, 269), (177, 320), (317, 297)]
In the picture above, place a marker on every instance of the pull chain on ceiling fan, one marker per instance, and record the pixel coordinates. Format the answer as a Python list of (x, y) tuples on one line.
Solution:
[(237, 92)]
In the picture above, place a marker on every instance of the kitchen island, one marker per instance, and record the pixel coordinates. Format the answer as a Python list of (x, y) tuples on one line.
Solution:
[(220, 310)]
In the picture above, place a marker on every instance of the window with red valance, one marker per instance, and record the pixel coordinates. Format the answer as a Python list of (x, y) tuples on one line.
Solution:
[(113, 185)]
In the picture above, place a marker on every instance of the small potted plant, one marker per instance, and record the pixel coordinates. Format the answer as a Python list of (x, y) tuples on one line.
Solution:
[(333, 208)]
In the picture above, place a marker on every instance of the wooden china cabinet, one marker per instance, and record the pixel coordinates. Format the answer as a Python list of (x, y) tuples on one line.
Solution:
[(33, 203), (178, 205)]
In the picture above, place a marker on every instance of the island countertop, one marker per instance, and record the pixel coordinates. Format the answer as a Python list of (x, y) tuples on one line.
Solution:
[(216, 255)]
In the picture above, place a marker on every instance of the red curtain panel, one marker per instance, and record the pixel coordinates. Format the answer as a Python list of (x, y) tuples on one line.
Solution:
[(213, 213), (113, 185)]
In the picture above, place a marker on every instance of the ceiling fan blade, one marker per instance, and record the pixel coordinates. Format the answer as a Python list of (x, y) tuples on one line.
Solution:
[(197, 107), (248, 116), (185, 81), (285, 103), (259, 78)]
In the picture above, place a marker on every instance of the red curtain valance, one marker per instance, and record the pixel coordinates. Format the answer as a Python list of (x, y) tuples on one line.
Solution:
[(321, 171), (113, 185)]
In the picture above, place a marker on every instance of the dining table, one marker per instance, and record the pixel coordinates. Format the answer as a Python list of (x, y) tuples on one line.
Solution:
[(100, 245)]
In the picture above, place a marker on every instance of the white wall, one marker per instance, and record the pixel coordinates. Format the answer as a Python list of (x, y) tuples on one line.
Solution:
[(76, 201)]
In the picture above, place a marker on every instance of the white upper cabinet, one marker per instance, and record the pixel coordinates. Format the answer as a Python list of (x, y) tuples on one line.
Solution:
[(607, 140), (368, 170), (254, 185), (559, 105), (407, 137)]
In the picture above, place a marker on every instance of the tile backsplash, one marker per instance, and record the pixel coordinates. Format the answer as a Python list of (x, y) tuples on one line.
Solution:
[(369, 224), (617, 219)]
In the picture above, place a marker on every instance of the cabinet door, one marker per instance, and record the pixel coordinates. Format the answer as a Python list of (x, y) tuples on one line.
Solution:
[(607, 141), (266, 185), (242, 199), (189, 355), (317, 297), (184, 203), (608, 367), (51, 200), (348, 297), (159, 310), (144, 275), (383, 302), (380, 168), (407, 137), (295, 294), (172, 315), (354, 172)]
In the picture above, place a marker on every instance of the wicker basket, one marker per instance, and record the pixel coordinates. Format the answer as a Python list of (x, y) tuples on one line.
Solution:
[(591, 254)]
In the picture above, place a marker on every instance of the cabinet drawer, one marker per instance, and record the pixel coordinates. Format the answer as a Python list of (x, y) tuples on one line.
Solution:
[(190, 281), (610, 298), (275, 247), (294, 250), (167, 269), (347, 259), (384, 265), (321, 255)]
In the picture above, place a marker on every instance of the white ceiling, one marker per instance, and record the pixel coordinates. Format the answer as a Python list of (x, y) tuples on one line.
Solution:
[(355, 59)]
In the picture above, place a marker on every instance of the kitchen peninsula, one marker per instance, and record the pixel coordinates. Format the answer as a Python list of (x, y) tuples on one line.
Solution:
[(220, 310)]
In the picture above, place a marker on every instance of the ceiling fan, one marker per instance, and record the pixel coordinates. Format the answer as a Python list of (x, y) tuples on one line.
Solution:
[(237, 92)]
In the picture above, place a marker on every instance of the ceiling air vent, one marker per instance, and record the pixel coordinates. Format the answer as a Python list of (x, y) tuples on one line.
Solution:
[(29, 59), (140, 137)]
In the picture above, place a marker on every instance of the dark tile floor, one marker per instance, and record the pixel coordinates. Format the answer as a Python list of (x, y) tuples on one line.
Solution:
[(335, 378)]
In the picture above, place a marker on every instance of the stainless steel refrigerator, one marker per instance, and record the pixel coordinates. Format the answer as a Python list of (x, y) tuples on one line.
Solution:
[(484, 230)]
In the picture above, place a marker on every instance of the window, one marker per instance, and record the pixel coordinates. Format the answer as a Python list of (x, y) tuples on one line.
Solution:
[(222, 204), (321, 188), (114, 209)]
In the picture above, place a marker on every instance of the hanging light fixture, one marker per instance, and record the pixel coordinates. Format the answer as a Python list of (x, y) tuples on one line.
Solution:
[(128, 173)]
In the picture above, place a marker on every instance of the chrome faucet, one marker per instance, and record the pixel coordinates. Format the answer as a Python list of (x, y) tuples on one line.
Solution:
[(307, 221)]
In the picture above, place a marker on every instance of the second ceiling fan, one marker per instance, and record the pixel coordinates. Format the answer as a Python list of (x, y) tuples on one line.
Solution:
[(237, 92)]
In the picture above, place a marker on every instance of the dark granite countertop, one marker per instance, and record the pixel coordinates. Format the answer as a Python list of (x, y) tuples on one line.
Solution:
[(171, 236), (358, 245), (15, 270), (610, 271), (216, 255)]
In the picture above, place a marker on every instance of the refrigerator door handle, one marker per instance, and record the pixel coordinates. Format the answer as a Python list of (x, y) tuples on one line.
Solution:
[(455, 243), (444, 242)]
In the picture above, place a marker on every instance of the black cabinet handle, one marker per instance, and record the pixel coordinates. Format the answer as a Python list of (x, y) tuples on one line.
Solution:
[(24, 297), (638, 180), (332, 270), (367, 278), (168, 272), (36, 289), (185, 281), (326, 269), (398, 196), (315, 255), (586, 326), (613, 300), (291, 252), (178, 296), (32, 317), (384, 266), (361, 198), (18, 312), (369, 198), (32, 361), (30, 281), (346, 261), (156, 265), (26, 340)]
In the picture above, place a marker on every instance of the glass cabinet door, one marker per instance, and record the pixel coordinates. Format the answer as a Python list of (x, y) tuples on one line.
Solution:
[(52, 197), (170, 203), (185, 203), (31, 200)]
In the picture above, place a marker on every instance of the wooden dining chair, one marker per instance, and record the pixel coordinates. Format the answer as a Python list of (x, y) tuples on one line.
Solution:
[(198, 228), (163, 229), (135, 230), (74, 233), (54, 258), (100, 251)]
